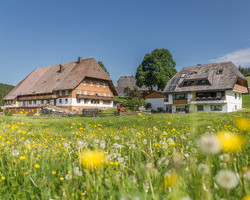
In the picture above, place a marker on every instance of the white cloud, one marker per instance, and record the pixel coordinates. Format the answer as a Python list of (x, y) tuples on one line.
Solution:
[(240, 57)]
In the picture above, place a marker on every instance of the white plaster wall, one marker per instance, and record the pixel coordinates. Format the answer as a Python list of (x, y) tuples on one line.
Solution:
[(170, 100), (156, 103), (232, 102), (73, 102), (207, 108)]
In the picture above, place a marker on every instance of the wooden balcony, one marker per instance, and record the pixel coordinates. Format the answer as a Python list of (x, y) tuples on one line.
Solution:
[(210, 98), (240, 88), (83, 96), (39, 97), (180, 101)]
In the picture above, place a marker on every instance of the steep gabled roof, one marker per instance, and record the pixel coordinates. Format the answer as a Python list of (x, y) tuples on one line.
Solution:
[(209, 73), (65, 76), (128, 81)]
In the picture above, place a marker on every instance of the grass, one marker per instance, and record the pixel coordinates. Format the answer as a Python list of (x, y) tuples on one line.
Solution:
[(246, 97), (147, 157)]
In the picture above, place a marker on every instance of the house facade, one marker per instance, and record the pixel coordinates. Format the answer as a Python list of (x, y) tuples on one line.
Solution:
[(206, 88), (156, 100), (72, 86)]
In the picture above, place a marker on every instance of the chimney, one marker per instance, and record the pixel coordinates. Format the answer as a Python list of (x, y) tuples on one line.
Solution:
[(79, 59)]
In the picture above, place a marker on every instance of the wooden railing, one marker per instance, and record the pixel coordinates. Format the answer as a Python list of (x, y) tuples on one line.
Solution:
[(180, 101), (83, 96), (40, 97)]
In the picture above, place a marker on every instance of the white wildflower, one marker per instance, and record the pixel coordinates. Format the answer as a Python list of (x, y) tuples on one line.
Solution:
[(102, 144), (76, 170), (203, 169), (116, 137), (209, 144), (225, 157), (27, 143), (96, 141), (68, 177), (171, 141), (66, 145), (144, 142), (227, 179), (79, 173), (15, 152), (247, 175), (121, 160)]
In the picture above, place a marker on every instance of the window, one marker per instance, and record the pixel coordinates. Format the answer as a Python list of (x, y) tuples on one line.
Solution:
[(206, 71), (183, 75), (219, 71), (60, 93), (91, 93), (235, 95), (60, 101), (91, 83), (98, 93), (24, 103), (78, 91), (216, 107), (103, 85), (85, 93), (200, 108), (104, 94), (235, 107), (66, 101), (84, 82), (109, 94), (66, 92), (86, 101), (42, 102), (180, 96), (78, 100), (34, 102), (97, 85)]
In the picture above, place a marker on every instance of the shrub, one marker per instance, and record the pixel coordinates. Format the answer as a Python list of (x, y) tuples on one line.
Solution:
[(8, 113)]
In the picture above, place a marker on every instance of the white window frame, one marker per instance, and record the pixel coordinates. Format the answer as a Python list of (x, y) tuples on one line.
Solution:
[(84, 82), (104, 94), (91, 84), (103, 85), (85, 93), (97, 84), (79, 91)]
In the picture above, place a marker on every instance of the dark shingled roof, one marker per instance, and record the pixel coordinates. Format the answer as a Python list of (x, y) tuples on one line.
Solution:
[(224, 81), (45, 80), (128, 81)]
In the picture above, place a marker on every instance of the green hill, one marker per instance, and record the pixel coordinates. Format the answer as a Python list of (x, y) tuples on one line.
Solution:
[(246, 97), (4, 89)]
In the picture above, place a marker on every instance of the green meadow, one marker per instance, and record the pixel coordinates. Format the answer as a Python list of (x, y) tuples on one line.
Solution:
[(142, 157)]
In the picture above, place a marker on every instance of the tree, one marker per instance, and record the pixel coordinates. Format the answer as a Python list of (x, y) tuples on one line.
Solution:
[(103, 67), (156, 69), (133, 92)]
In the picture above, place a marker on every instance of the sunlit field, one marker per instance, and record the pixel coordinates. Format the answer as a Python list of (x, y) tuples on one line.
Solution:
[(162, 156)]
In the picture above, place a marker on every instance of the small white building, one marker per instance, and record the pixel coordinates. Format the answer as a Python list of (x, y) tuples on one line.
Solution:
[(157, 100), (214, 87)]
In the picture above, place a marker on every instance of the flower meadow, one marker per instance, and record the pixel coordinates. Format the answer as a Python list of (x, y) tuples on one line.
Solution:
[(162, 156)]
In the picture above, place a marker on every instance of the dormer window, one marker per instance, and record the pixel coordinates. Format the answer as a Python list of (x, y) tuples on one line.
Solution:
[(219, 71), (183, 75), (84, 82), (97, 85)]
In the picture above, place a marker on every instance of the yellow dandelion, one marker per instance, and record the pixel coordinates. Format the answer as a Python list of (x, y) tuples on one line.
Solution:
[(3, 178), (91, 159), (243, 124), (61, 179), (23, 158), (231, 142), (37, 166), (170, 180), (246, 198), (53, 172)]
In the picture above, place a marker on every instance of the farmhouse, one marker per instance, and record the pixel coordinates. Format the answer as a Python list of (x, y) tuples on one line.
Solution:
[(71, 86), (130, 82), (206, 88), (156, 100)]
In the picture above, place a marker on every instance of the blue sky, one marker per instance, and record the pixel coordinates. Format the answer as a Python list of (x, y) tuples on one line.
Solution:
[(37, 33)]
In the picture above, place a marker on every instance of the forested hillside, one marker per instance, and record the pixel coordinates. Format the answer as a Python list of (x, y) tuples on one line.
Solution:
[(4, 89)]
